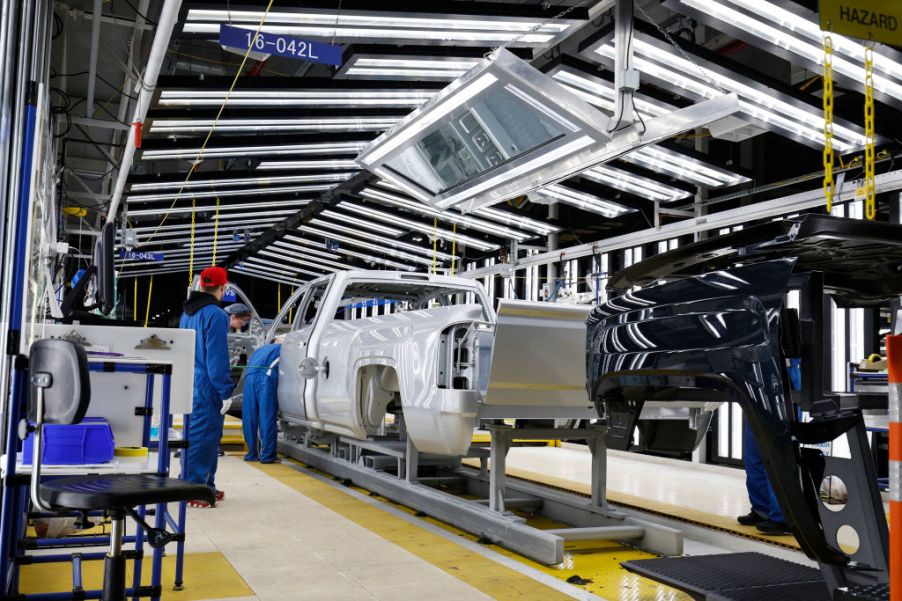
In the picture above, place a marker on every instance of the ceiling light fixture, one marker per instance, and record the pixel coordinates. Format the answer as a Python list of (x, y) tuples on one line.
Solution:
[(389, 241), (505, 129), (680, 166), (266, 265), (306, 260), (788, 32), (253, 273), (396, 26), (387, 248), (134, 198), (416, 226), (331, 98), (255, 208), (247, 151), (311, 124), (406, 67), (362, 223), (774, 110), (472, 223), (506, 217), (634, 184), (229, 221), (357, 255), (298, 165), (584, 201), (238, 182)]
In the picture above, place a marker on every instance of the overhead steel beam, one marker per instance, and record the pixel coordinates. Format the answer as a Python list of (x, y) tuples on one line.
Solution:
[(796, 203), (92, 60), (102, 123), (165, 25), (119, 21)]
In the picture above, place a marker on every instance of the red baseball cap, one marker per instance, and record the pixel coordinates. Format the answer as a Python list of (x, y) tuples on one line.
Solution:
[(214, 276)]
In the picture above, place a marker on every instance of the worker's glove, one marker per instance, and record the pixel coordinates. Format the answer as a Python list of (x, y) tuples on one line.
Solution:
[(226, 405)]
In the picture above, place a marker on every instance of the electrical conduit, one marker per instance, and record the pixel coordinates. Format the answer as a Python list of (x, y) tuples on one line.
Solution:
[(165, 24)]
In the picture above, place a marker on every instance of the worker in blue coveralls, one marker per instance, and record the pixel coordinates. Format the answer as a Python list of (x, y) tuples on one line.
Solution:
[(260, 405), (766, 514), (212, 384)]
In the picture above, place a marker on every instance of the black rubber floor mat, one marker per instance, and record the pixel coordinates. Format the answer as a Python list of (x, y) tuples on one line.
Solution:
[(704, 575), (873, 592), (799, 591)]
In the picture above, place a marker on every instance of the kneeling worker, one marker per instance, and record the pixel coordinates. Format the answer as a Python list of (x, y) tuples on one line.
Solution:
[(260, 406)]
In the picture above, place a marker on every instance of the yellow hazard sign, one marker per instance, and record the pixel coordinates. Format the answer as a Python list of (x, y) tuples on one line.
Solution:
[(876, 20)]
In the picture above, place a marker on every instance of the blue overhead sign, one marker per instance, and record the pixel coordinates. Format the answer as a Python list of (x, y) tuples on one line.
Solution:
[(135, 255), (280, 45)]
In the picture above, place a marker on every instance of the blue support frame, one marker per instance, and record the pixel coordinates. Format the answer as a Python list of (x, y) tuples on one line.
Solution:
[(15, 503)]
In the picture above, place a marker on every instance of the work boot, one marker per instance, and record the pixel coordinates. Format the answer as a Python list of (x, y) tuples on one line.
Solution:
[(772, 528), (753, 518)]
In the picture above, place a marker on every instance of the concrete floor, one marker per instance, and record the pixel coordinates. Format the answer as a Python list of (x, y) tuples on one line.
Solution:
[(292, 535), (289, 547)]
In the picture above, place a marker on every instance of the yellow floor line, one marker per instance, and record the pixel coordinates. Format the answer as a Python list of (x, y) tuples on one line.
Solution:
[(597, 565), (491, 578), (207, 576), (686, 514)]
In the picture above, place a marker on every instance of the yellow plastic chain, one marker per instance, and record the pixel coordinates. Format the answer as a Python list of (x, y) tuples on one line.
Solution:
[(828, 121), (191, 250), (870, 199), (215, 232), (149, 296)]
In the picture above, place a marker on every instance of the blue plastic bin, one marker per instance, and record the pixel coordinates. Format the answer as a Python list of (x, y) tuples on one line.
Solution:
[(89, 442)]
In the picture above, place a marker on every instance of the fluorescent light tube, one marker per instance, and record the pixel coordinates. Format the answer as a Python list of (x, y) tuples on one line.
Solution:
[(331, 98), (133, 198), (804, 38), (680, 166), (386, 249), (420, 227), (757, 104), (380, 19), (449, 216), (239, 181), (391, 242), (505, 217), (511, 218), (310, 124), (640, 186), (264, 264), (244, 151), (251, 208), (362, 223), (249, 272), (306, 251), (455, 64), (225, 221), (314, 164), (586, 202), (351, 253), (306, 261)]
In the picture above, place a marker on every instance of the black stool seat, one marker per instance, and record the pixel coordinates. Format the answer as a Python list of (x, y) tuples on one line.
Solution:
[(121, 491)]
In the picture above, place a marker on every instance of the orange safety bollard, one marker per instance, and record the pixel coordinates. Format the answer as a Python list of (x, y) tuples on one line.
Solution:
[(894, 361)]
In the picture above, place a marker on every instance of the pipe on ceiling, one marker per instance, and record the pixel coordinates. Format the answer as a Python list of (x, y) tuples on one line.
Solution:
[(165, 24)]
